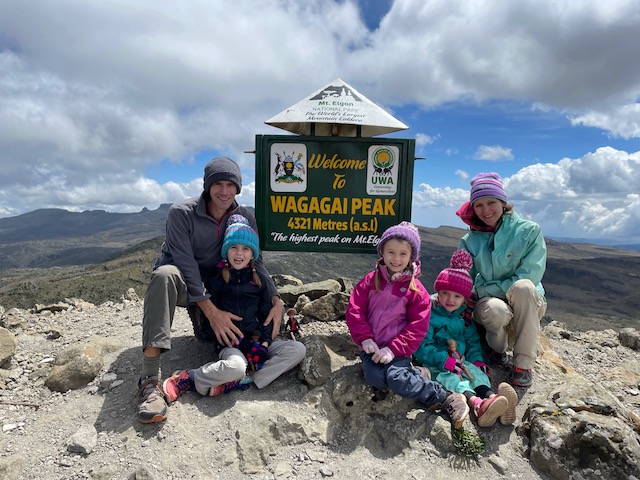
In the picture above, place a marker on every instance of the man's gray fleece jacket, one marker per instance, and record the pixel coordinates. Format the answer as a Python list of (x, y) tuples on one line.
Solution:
[(193, 242)]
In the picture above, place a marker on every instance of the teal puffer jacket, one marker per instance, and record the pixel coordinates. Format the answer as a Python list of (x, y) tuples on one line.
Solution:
[(434, 349), (515, 251)]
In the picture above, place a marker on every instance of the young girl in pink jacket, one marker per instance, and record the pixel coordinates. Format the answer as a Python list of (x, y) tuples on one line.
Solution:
[(388, 316)]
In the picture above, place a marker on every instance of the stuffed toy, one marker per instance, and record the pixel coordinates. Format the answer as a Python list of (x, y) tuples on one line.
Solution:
[(256, 353)]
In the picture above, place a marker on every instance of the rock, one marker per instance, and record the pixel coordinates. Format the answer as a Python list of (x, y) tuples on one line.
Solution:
[(75, 368), (131, 296), (630, 337), (284, 280), (80, 304), (54, 307), (345, 285), (11, 467), (15, 319), (8, 345), (141, 473), (328, 308), (78, 365), (301, 302), (576, 425), (326, 355), (84, 440), (315, 290)]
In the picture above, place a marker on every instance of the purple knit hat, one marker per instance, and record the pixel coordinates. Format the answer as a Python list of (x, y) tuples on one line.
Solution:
[(403, 231), (487, 184), (456, 278)]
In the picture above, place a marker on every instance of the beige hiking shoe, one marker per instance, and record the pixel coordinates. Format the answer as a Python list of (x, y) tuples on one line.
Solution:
[(507, 391)]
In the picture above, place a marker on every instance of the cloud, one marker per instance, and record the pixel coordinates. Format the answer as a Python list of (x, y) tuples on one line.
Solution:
[(561, 54), (617, 218), (623, 122), (592, 196), (494, 153), (429, 196), (464, 176), (113, 193), (423, 139)]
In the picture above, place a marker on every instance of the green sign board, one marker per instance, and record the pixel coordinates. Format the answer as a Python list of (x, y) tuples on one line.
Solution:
[(331, 194)]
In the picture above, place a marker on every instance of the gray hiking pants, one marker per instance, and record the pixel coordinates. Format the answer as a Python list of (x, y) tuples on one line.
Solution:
[(165, 292), (232, 364)]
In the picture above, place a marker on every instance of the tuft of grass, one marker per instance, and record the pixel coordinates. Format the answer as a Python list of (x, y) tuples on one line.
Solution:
[(468, 443)]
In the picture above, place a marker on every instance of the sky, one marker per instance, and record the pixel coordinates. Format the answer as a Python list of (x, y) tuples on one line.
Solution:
[(117, 105)]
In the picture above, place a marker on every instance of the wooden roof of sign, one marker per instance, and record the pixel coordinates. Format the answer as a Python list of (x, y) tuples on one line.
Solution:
[(337, 110)]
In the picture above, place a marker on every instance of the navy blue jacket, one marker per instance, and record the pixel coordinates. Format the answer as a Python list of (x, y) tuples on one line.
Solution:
[(242, 297)]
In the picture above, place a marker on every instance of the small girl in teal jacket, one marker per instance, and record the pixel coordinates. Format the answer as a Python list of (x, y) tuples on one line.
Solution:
[(452, 352)]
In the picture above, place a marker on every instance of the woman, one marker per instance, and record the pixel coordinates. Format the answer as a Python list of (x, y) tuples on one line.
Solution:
[(509, 259)]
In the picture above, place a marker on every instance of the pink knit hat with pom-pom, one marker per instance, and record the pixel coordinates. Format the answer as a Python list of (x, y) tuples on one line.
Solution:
[(456, 278)]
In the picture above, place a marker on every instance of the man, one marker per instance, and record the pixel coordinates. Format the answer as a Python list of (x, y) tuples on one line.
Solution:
[(192, 247)]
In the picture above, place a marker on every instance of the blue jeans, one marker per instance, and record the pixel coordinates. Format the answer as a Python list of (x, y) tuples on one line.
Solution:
[(402, 378)]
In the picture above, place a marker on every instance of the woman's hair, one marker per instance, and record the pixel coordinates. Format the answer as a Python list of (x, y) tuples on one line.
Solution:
[(412, 283), (226, 272)]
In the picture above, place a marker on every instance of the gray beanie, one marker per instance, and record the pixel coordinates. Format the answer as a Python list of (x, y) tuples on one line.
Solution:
[(222, 168)]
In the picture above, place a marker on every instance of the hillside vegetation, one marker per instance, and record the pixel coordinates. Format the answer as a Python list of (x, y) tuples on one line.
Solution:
[(588, 287)]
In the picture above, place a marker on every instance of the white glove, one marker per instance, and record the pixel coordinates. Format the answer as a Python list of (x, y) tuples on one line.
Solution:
[(385, 355), (369, 346)]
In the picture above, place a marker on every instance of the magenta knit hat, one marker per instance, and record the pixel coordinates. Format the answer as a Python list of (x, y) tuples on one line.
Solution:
[(456, 278), (403, 231), (487, 184)]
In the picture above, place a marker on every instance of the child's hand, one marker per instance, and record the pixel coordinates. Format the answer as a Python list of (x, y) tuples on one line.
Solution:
[(453, 365), (385, 355), (369, 346)]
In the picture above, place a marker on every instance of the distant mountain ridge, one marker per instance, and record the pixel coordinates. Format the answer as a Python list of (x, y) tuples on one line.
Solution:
[(62, 223), (634, 247), (49, 238)]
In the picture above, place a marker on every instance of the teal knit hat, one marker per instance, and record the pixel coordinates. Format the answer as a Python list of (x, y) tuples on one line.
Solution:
[(239, 232)]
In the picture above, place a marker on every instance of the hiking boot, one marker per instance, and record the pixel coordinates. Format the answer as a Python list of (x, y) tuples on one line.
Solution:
[(521, 377), (456, 407), (151, 405), (496, 358), (227, 387), (490, 409), (507, 391), (176, 385)]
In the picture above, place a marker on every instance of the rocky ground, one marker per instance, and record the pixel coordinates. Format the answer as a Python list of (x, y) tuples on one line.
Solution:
[(279, 432)]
